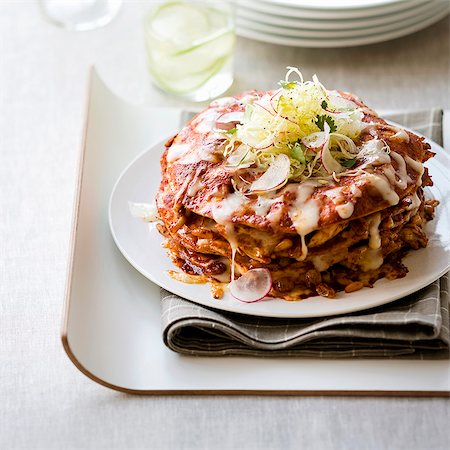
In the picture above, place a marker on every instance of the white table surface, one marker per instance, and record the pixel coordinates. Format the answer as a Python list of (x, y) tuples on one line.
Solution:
[(44, 401)]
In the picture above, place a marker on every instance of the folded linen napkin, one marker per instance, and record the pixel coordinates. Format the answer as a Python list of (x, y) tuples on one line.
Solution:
[(416, 326)]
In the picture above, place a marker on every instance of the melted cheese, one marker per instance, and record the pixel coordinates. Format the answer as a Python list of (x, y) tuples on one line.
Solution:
[(371, 259), (382, 185), (304, 212), (176, 151), (402, 173), (345, 210), (373, 153), (417, 166), (222, 213), (321, 262), (263, 205), (374, 232)]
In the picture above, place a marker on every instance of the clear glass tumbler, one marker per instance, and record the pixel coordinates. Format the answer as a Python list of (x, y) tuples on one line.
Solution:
[(81, 15), (190, 47)]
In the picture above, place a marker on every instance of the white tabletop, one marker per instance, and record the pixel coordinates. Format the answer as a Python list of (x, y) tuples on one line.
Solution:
[(44, 401)]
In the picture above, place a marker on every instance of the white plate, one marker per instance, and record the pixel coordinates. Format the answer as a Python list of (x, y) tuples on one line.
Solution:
[(349, 42), (335, 24), (326, 13), (332, 4), (350, 33), (141, 244)]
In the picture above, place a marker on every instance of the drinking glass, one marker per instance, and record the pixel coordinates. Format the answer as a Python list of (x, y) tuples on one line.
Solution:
[(190, 47), (80, 15)]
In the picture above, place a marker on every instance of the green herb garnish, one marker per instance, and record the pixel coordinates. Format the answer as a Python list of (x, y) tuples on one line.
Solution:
[(324, 104), (298, 153), (348, 163), (288, 84), (320, 122)]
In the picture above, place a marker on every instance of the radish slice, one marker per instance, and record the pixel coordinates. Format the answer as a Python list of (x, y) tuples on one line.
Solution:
[(330, 164), (228, 121), (275, 176), (341, 103), (315, 140), (253, 286)]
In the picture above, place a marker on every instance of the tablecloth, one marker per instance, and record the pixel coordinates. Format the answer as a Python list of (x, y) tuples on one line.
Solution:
[(44, 401)]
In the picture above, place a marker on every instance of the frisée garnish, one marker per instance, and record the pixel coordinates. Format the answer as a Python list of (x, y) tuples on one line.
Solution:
[(313, 127)]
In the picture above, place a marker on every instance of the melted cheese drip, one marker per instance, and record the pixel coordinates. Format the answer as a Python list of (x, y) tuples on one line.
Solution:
[(304, 213), (371, 259), (374, 232), (400, 176), (263, 205), (417, 166), (373, 153), (320, 262), (200, 153), (355, 191), (382, 185), (345, 210), (206, 121), (176, 151), (222, 213)]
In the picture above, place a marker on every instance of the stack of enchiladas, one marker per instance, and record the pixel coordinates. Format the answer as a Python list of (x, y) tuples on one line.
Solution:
[(303, 190)]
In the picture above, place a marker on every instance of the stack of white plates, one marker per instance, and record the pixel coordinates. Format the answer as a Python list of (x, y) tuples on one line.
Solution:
[(335, 23)]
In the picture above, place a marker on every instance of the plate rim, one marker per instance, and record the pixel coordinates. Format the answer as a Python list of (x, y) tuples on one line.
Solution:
[(311, 13), (339, 35), (348, 42), (334, 24)]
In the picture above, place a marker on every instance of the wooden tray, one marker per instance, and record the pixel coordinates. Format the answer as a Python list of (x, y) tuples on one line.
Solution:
[(111, 325)]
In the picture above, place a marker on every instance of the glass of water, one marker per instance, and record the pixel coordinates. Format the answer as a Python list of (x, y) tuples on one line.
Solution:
[(80, 15), (190, 47)]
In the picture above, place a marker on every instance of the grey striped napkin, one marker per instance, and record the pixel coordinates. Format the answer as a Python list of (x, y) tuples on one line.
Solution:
[(415, 326)]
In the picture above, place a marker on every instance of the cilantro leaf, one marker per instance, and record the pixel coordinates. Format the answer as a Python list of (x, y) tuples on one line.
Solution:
[(288, 84), (232, 131), (348, 163), (320, 122), (324, 104)]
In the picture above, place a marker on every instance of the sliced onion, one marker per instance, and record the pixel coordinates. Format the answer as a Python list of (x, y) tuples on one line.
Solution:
[(253, 286), (146, 211), (401, 135), (341, 139), (228, 121), (238, 156), (275, 176), (330, 164)]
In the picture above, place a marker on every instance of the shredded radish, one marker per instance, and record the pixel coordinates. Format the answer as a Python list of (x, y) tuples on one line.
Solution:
[(253, 286)]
